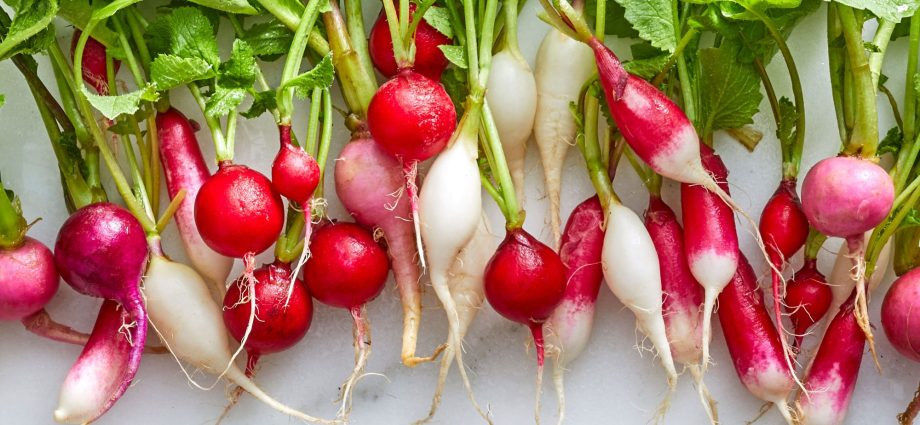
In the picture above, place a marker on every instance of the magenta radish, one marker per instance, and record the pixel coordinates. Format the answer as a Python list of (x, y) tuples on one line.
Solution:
[(897, 314), (369, 184), (831, 377), (711, 239), (94, 68), (512, 97), (753, 341), (569, 328), (808, 298), (347, 270), (185, 169), (429, 59), (562, 67), (101, 251)]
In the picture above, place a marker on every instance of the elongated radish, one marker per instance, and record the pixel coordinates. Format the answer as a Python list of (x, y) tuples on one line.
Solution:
[(101, 251), (369, 183), (562, 67), (832, 375), (348, 269), (568, 330), (711, 239), (467, 291), (185, 169), (295, 173), (808, 298), (753, 341), (512, 97), (189, 322), (94, 68), (429, 59), (632, 272)]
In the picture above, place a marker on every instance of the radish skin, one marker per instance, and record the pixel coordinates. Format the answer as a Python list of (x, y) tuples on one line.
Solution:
[(28, 281), (512, 97), (185, 168), (632, 272), (562, 67)]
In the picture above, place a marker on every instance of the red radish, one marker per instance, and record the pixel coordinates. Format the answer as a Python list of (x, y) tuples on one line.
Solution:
[(832, 375), (238, 212), (369, 184), (101, 251), (524, 282), (412, 117), (93, 64), (28, 281), (347, 269), (295, 173), (783, 224), (808, 297), (185, 169), (711, 239), (562, 67), (569, 328), (753, 341), (429, 59), (683, 295), (898, 314)]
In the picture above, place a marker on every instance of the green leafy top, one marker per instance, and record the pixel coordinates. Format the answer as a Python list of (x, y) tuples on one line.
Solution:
[(732, 95), (653, 20), (891, 10), (30, 30)]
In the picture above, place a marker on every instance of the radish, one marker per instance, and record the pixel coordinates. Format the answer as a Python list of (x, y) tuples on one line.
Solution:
[(832, 375), (347, 269), (897, 314), (562, 67), (185, 169), (295, 173), (783, 224), (467, 292), (569, 328), (429, 59), (753, 341), (369, 184), (711, 239), (101, 251), (94, 68), (808, 298)]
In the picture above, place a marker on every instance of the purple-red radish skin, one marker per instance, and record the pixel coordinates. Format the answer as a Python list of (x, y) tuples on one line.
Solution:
[(808, 297), (832, 375), (28, 279), (295, 173), (93, 64), (683, 294), (898, 319), (783, 224), (846, 196)]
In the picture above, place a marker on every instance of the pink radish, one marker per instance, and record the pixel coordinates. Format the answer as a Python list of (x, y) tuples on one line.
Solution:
[(347, 269), (832, 375), (369, 184), (185, 169), (562, 67), (429, 59), (711, 239), (753, 341), (897, 314), (101, 251), (808, 298), (569, 328)]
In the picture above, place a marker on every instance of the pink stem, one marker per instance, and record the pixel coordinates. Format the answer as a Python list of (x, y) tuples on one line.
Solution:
[(41, 323)]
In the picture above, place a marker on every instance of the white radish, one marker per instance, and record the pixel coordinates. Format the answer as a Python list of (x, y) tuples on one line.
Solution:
[(562, 67)]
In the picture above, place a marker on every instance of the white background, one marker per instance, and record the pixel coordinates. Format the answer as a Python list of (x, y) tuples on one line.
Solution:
[(612, 382)]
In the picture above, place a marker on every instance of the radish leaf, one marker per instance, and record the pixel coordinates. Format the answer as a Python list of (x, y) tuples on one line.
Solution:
[(654, 21), (168, 71), (732, 94)]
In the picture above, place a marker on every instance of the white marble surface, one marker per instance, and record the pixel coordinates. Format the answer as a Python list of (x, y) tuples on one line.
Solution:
[(612, 383)]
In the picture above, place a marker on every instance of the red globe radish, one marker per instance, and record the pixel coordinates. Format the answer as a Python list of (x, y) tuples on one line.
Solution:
[(711, 239), (295, 173), (429, 59), (832, 374), (808, 298), (101, 251), (94, 68), (369, 184), (562, 67), (238, 212), (29, 279), (569, 328), (524, 282), (783, 224), (512, 97), (347, 269), (897, 314), (753, 341), (185, 169)]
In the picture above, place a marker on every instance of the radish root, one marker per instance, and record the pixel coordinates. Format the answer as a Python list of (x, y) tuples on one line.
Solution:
[(907, 416), (857, 249), (709, 404), (236, 392), (41, 324), (362, 335), (305, 254), (559, 383), (411, 172)]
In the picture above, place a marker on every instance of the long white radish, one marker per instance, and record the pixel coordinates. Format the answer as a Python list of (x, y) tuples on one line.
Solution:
[(450, 206), (189, 322), (512, 97), (562, 67), (632, 272)]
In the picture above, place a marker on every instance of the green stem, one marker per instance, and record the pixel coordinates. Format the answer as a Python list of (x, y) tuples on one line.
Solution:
[(357, 81), (678, 52), (894, 106), (864, 139), (43, 94), (472, 61), (880, 41), (13, 225), (287, 241), (293, 61), (66, 88), (354, 20), (138, 28), (217, 135), (487, 42), (814, 243), (399, 49), (904, 165), (135, 68), (325, 143), (260, 77), (591, 152), (883, 232), (836, 66), (514, 217), (510, 11), (683, 73), (290, 17), (600, 24), (313, 123)]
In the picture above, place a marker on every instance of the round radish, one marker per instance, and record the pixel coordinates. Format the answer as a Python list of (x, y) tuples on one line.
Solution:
[(898, 314), (783, 224), (28, 281), (238, 211), (429, 59), (411, 116), (348, 268), (295, 173), (808, 298), (846, 196)]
